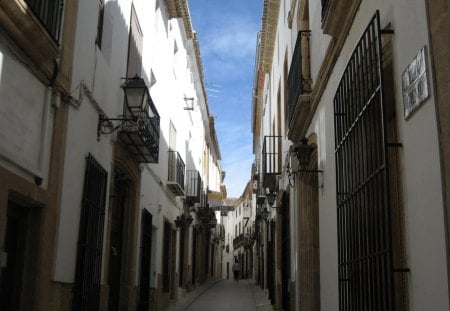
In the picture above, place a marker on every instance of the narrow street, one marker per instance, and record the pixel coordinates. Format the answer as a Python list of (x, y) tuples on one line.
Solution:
[(151, 150), (224, 295)]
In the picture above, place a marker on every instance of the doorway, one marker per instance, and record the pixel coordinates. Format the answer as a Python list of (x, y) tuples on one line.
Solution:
[(18, 257), (120, 204)]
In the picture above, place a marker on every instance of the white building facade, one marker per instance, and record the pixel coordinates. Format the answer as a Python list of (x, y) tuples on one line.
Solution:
[(366, 210), (124, 183)]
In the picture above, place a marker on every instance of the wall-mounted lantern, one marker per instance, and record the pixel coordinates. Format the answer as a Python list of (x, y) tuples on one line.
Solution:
[(271, 196), (137, 98), (303, 152), (190, 99), (183, 221)]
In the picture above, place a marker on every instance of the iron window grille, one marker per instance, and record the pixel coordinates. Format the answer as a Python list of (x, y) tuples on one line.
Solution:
[(271, 161), (176, 173), (49, 13), (90, 238), (299, 78), (366, 280)]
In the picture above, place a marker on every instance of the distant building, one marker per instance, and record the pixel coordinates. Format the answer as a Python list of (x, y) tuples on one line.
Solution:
[(239, 227)]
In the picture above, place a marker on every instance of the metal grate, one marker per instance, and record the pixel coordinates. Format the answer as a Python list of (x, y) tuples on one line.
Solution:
[(90, 238), (364, 225), (141, 138), (49, 13), (146, 252)]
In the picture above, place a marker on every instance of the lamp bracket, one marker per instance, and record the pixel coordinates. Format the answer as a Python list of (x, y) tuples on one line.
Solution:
[(308, 171), (191, 99), (110, 125)]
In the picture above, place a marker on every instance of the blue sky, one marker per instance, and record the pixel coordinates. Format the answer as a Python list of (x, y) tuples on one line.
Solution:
[(227, 33)]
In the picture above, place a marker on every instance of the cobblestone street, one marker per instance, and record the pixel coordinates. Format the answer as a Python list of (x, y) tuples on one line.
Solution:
[(224, 295)]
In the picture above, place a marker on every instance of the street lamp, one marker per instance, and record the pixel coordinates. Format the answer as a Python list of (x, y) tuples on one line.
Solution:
[(183, 221), (271, 196), (260, 199), (137, 98), (303, 152), (136, 95)]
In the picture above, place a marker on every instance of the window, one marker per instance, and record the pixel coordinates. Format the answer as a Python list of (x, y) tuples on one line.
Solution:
[(135, 46), (101, 13), (364, 202), (49, 13)]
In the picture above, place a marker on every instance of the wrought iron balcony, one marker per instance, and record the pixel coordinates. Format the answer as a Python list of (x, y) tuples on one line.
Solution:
[(243, 240), (271, 161), (193, 187), (175, 180), (49, 13), (299, 78), (141, 138)]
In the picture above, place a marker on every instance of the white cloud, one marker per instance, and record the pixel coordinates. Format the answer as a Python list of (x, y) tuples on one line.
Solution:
[(237, 44), (233, 38)]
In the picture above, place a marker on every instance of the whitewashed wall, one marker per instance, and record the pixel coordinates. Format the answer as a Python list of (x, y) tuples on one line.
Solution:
[(422, 189), (170, 77), (425, 231)]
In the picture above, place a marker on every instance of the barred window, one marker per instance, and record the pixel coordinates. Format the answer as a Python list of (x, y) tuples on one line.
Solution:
[(49, 12), (365, 255)]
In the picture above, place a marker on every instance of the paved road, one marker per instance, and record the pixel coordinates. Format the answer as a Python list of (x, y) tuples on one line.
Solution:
[(224, 295)]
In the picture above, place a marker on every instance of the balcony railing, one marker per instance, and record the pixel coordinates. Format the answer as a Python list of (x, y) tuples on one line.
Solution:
[(49, 13), (141, 138), (271, 161), (299, 78), (243, 240), (193, 187), (175, 180)]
